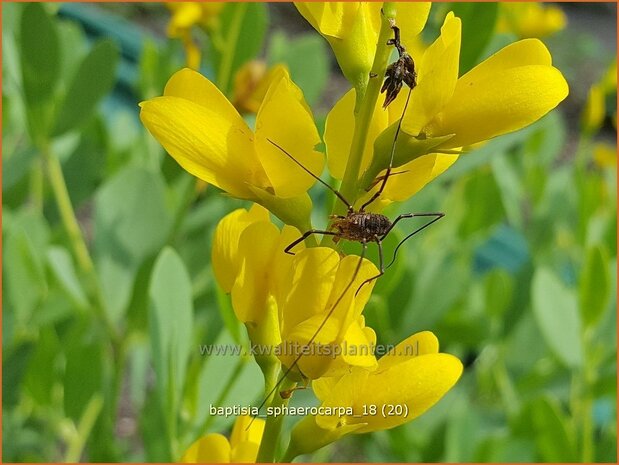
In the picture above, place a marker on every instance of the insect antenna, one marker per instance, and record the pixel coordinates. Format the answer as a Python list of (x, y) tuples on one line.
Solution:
[(339, 196)]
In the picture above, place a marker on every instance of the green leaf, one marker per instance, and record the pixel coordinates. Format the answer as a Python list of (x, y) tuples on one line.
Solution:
[(307, 61), (131, 224), (553, 436), (481, 189), (511, 191), (16, 165), (40, 61), (243, 28), (499, 292), (478, 21), (170, 319), (26, 283), (42, 371), (62, 267), (556, 312), (83, 377), (226, 379), (594, 286), (92, 81)]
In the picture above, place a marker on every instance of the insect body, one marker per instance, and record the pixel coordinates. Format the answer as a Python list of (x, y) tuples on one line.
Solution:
[(360, 226), (401, 70)]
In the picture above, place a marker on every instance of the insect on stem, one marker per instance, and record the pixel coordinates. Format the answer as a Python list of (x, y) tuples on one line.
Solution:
[(359, 225)]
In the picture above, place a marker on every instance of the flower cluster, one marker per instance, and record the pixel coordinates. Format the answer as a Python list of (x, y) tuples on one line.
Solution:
[(313, 298)]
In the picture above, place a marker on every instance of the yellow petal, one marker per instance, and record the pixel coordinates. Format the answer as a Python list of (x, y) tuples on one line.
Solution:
[(438, 74), (327, 17), (184, 16), (358, 345), (309, 286), (499, 103), (192, 52), (339, 129), (411, 18), (226, 239), (345, 393), (247, 429), (283, 263), (522, 53), (212, 448), (251, 287), (207, 145), (285, 119), (422, 343), (419, 383), (594, 111), (413, 176), (322, 387), (346, 303), (317, 359), (191, 85), (352, 30)]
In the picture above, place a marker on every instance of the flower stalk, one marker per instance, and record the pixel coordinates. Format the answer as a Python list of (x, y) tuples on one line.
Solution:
[(273, 426), (366, 103)]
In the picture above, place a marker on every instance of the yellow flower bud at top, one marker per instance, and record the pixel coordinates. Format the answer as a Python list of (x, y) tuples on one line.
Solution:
[(352, 30)]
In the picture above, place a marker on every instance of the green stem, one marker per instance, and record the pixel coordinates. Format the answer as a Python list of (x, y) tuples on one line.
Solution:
[(583, 400), (67, 214), (87, 422), (227, 56), (76, 238), (273, 427), (365, 110)]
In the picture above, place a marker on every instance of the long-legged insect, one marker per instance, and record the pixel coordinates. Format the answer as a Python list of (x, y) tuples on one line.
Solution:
[(359, 225)]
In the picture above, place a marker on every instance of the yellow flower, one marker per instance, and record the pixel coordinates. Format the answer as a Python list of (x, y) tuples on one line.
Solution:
[(318, 292), (595, 109), (594, 112), (185, 15), (242, 447), (251, 83), (352, 29), (412, 377), (531, 19), (286, 299), (205, 134), (510, 90)]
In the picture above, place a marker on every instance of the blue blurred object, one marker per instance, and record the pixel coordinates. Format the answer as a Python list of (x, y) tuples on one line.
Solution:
[(130, 38), (506, 248)]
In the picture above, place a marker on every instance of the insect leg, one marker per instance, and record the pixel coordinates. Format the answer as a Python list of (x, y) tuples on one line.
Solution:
[(381, 264), (435, 218), (306, 235)]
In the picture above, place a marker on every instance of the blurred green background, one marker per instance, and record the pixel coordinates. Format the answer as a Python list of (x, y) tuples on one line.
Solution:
[(518, 280)]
